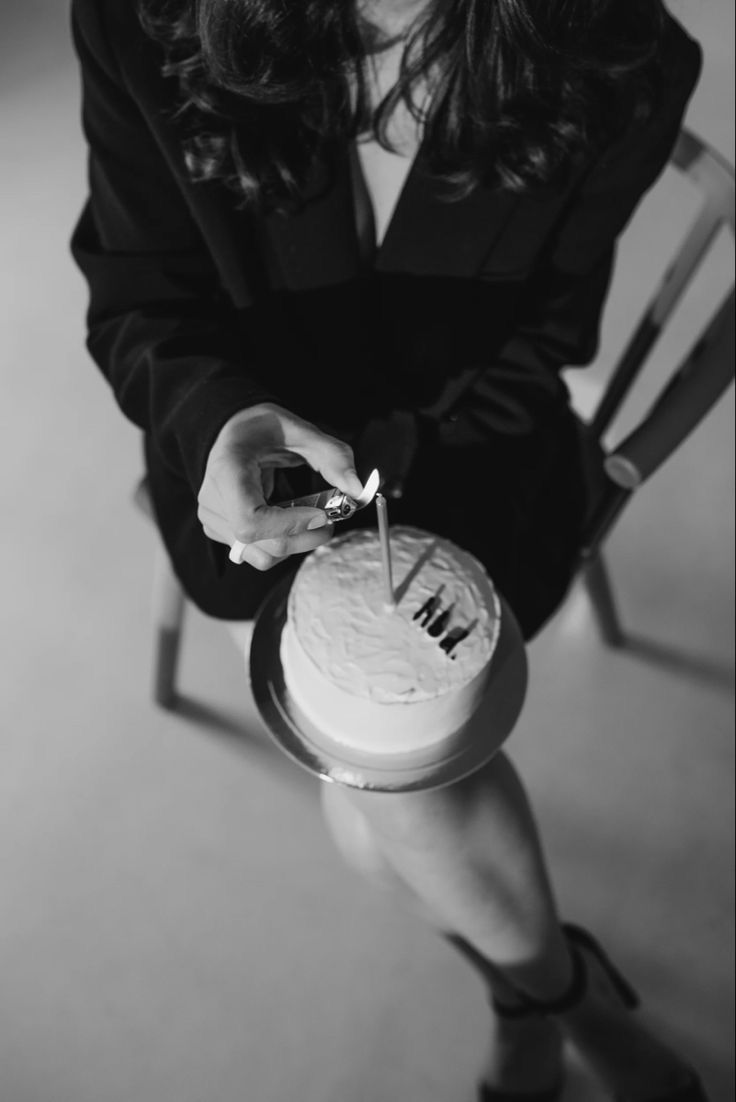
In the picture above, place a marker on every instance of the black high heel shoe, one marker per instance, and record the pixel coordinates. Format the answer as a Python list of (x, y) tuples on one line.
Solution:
[(520, 1009), (495, 1094), (580, 942)]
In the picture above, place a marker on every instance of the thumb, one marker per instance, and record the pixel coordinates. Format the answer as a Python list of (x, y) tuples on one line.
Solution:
[(341, 475), (332, 458)]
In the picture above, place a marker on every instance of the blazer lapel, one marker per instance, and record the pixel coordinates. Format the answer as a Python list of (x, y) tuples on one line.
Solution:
[(432, 235), (317, 246), (428, 235)]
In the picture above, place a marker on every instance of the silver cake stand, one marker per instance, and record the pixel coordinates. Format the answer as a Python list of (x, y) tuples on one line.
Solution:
[(473, 746)]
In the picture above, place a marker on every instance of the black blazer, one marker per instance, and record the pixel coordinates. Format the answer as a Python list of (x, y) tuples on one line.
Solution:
[(199, 309)]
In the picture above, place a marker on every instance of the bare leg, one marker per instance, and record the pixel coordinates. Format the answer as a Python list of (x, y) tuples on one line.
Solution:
[(524, 1054), (471, 855), (467, 858)]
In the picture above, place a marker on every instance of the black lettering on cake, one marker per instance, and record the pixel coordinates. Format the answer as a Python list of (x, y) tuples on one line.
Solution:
[(456, 635), (440, 624), (428, 609)]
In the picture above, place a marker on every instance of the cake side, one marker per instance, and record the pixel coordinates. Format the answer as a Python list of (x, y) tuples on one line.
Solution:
[(373, 678), (362, 724)]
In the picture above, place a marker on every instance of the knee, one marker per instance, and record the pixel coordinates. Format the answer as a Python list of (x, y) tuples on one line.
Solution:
[(352, 834), (433, 818), (356, 841)]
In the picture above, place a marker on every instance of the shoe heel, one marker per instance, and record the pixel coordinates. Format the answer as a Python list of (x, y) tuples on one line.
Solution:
[(581, 939)]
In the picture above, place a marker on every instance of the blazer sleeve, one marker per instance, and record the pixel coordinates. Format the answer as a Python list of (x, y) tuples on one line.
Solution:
[(158, 326), (558, 324)]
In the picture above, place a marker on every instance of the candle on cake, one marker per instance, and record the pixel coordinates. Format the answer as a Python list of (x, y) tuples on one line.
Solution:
[(385, 541)]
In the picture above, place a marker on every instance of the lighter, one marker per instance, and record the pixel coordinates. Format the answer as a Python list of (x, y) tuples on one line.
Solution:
[(336, 504)]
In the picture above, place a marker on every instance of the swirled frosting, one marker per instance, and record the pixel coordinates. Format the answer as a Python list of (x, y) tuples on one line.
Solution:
[(389, 679)]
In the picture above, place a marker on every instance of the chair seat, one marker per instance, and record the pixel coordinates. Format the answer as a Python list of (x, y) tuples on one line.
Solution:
[(142, 497)]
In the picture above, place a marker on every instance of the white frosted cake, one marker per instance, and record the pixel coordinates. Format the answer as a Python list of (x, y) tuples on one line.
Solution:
[(381, 681)]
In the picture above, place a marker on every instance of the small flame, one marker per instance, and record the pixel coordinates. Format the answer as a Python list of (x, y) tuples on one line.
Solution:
[(369, 491)]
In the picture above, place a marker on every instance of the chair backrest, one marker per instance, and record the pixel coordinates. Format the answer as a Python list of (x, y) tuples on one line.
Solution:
[(701, 376)]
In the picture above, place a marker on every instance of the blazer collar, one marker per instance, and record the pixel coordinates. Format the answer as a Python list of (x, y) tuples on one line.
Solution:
[(317, 245), (428, 235), (431, 234)]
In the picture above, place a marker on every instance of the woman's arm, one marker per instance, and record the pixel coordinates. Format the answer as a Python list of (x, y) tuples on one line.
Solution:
[(158, 326), (559, 322)]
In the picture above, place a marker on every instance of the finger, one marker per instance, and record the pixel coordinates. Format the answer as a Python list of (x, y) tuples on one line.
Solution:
[(265, 554), (270, 522), (214, 526), (268, 479), (251, 553), (331, 457), (277, 549), (213, 534), (241, 505), (258, 557), (269, 430), (297, 545)]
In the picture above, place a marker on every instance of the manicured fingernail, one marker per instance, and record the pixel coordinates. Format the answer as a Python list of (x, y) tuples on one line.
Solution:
[(318, 522)]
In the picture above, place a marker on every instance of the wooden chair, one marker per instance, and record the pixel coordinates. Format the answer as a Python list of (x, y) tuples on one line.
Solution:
[(697, 382), (694, 386)]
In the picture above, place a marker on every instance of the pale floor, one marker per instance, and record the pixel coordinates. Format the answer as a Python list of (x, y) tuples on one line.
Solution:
[(174, 924)]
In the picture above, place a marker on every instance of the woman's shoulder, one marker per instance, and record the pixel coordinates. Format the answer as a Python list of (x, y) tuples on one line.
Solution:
[(647, 137), (680, 57), (113, 40), (111, 29), (97, 19)]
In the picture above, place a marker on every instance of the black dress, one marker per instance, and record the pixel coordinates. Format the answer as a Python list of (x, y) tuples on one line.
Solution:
[(199, 309)]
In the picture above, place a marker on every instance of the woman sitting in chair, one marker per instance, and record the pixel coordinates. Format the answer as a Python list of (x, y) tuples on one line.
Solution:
[(327, 236)]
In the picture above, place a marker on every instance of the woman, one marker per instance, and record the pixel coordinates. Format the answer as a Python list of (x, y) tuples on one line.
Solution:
[(322, 237)]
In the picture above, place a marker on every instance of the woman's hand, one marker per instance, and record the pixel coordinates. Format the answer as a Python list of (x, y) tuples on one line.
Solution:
[(239, 478)]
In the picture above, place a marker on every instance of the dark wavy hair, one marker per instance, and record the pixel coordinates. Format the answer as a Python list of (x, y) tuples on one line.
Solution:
[(520, 88)]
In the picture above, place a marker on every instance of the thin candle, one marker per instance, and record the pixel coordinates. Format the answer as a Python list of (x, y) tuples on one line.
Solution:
[(382, 510)]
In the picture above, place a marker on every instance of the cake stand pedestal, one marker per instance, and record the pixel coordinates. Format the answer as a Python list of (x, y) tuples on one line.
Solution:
[(473, 747)]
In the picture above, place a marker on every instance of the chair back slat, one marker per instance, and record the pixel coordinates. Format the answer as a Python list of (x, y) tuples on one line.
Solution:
[(714, 180), (694, 388), (684, 267), (710, 172)]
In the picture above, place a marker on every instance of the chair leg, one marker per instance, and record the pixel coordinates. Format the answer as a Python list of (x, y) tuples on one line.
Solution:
[(598, 584), (168, 612)]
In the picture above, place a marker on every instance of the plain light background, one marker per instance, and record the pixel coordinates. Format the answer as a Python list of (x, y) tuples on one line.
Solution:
[(175, 925)]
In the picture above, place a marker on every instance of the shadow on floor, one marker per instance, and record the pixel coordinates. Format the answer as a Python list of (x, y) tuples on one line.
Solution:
[(709, 671), (238, 731)]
